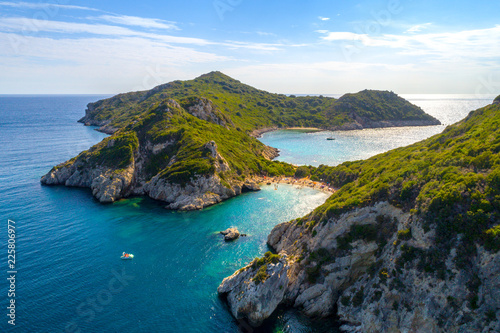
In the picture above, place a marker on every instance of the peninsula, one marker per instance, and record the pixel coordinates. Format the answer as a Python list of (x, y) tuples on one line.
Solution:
[(188, 143)]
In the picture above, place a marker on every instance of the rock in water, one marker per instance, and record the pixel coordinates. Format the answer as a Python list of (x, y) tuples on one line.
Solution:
[(254, 292), (230, 234), (250, 187)]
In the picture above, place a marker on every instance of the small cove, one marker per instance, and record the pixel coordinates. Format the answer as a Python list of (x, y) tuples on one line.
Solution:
[(312, 148)]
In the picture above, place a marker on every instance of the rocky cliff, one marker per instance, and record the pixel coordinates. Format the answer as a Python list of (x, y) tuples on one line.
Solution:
[(409, 243), (109, 184), (173, 166), (362, 267)]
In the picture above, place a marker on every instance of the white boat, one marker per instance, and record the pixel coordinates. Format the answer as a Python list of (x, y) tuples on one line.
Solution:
[(127, 257)]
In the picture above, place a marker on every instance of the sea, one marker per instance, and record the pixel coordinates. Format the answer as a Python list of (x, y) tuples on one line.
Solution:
[(67, 273), (302, 147)]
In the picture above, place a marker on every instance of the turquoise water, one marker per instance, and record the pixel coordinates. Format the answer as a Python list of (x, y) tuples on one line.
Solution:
[(299, 147), (68, 245)]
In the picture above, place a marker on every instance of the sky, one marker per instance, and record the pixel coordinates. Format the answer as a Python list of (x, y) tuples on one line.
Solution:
[(282, 46)]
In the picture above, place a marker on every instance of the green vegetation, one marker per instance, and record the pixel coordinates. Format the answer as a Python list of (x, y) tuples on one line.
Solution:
[(260, 264), (313, 273), (378, 232), (302, 172), (248, 108), (185, 155), (404, 234), (317, 259), (184, 116), (322, 256), (371, 105), (377, 295), (451, 181), (490, 315), (269, 258), (492, 238), (115, 152), (261, 275)]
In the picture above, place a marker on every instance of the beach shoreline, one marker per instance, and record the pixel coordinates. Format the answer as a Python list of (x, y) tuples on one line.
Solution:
[(259, 132), (299, 183)]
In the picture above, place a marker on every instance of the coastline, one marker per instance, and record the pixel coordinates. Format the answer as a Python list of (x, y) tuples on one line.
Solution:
[(300, 183), (351, 126), (309, 129), (259, 132)]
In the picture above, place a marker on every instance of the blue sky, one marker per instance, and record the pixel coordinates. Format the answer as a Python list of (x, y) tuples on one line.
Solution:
[(316, 47)]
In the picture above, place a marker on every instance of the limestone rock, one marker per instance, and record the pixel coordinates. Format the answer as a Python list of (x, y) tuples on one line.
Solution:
[(255, 301), (230, 234), (221, 164), (197, 194), (57, 176), (106, 184), (109, 185), (270, 153), (371, 292), (204, 109), (250, 187)]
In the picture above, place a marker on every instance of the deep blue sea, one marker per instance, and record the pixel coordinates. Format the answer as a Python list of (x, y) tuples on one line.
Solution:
[(70, 277)]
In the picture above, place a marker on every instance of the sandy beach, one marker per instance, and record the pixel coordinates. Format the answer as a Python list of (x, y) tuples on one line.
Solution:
[(258, 132), (320, 186), (309, 129)]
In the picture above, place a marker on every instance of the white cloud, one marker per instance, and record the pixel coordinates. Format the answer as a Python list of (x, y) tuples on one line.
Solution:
[(418, 28), (138, 21), (250, 45), (28, 25), (102, 50), (324, 18), (91, 65), (338, 35), (30, 5), (471, 44)]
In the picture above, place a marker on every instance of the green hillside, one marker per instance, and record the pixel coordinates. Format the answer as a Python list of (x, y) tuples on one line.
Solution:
[(451, 180), (183, 131), (248, 108), (168, 122)]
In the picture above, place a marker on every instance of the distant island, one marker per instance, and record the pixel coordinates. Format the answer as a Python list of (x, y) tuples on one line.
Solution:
[(409, 243), (192, 144)]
